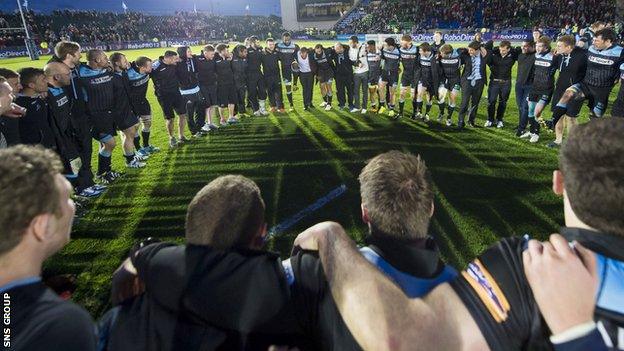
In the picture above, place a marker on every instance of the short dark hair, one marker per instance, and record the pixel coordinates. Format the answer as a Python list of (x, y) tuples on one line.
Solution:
[(474, 45), (354, 38), (567, 40), (209, 48), (270, 40), (397, 191), (93, 54), (303, 49), (406, 37), (116, 57), (226, 213), (8, 73), (607, 34), (371, 42), (29, 75), (253, 37), (286, 34), (446, 49), (505, 44), (221, 47), (390, 41), (170, 53), (27, 189), (593, 169), (426, 47), (64, 48), (318, 46), (529, 41), (141, 61)]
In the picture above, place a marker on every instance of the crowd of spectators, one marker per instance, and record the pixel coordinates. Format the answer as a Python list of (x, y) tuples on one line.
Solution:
[(96, 27), (411, 15)]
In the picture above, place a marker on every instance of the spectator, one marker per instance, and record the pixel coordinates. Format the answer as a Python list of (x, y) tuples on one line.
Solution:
[(36, 214)]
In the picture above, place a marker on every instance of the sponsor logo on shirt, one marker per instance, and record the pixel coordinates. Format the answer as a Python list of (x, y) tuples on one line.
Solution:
[(454, 61), (101, 80), (600, 60), (543, 63), (62, 101), (488, 290)]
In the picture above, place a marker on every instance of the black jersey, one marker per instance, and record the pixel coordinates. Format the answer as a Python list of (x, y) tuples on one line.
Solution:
[(390, 59), (65, 125), (34, 126), (603, 66), (270, 63), (342, 63), (254, 60), (322, 60), (164, 78), (449, 67), (207, 71), (374, 62), (98, 88), (408, 59), (225, 75), (435, 48), (138, 84), (497, 294), (239, 69), (571, 68), (186, 71), (425, 70), (121, 85), (544, 70), (287, 53)]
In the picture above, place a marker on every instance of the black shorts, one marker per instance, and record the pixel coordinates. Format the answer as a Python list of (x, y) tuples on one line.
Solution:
[(452, 84), (125, 120), (540, 96), (211, 97), (373, 77), (407, 80), (142, 107), (390, 77), (103, 124), (598, 99), (429, 87), (170, 102), (325, 76), (227, 95)]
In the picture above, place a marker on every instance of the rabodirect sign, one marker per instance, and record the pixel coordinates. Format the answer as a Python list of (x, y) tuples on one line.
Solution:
[(19, 51), (183, 42)]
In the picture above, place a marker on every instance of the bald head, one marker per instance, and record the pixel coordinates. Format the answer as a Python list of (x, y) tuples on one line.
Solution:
[(57, 73)]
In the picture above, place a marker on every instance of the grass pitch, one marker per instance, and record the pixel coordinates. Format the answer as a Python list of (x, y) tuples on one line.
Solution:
[(489, 184)]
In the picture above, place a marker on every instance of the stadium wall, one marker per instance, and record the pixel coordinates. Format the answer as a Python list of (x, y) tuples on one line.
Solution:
[(290, 21)]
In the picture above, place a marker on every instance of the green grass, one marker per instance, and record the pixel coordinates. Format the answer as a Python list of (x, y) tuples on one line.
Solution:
[(488, 183)]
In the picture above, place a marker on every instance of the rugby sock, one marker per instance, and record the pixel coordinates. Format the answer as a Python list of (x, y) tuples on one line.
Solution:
[(391, 106), (558, 111), (534, 126), (329, 99), (129, 158), (104, 162), (137, 142), (145, 134), (382, 104), (451, 109), (441, 107), (262, 104), (290, 99), (428, 107), (418, 107), (401, 106)]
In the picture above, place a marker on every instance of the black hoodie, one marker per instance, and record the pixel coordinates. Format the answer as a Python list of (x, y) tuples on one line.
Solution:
[(197, 298), (186, 70)]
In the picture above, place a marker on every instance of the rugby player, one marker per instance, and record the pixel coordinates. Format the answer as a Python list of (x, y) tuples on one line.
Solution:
[(226, 89), (257, 93), (587, 38), (287, 50), (324, 74), (408, 54), (7, 107), (271, 70), (373, 58), (544, 69), (207, 76), (572, 67), (96, 77), (449, 64), (604, 58), (390, 56), (618, 106), (166, 89), (186, 72), (10, 125), (427, 77), (125, 118), (239, 69), (138, 74), (34, 127), (498, 302)]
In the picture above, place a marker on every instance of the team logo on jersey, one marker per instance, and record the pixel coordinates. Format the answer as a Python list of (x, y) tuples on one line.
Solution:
[(488, 290)]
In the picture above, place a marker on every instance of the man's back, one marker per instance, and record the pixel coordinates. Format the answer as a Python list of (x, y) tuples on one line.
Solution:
[(40, 320)]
